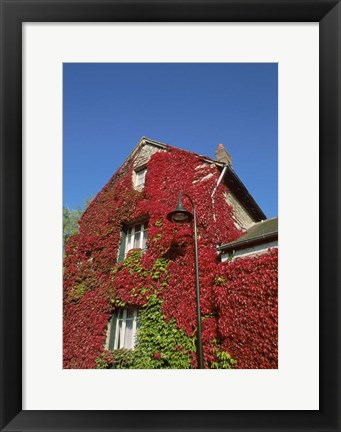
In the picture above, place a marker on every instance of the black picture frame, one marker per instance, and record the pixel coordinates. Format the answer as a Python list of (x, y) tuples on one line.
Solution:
[(13, 14)]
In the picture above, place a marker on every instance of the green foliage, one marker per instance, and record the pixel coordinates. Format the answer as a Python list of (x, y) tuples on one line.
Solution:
[(122, 359), (80, 290), (133, 262), (71, 218), (117, 302), (224, 360), (219, 280), (159, 223), (70, 222), (160, 344), (76, 293), (117, 359), (159, 267), (101, 363)]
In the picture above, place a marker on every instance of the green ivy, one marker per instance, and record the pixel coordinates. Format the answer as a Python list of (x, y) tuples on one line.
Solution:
[(133, 263), (160, 344), (219, 280), (122, 359), (159, 267), (157, 237), (117, 302), (159, 223), (76, 293), (224, 360), (101, 363)]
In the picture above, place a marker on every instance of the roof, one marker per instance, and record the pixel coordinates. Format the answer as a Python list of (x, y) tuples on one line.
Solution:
[(260, 232), (231, 179)]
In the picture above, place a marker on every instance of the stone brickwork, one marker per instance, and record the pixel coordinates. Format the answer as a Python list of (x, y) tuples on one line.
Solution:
[(241, 216), (144, 155)]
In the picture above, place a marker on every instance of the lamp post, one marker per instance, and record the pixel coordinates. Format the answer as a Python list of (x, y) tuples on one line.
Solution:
[(180, 215)]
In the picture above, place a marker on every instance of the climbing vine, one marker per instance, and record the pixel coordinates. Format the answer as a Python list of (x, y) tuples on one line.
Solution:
[(246, 298), (161, 282)]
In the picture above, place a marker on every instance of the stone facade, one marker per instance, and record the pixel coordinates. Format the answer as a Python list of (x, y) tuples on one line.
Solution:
[(144, 155), (242, 218)]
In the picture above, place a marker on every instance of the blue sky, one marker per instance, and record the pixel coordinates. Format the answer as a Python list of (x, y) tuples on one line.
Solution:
[(107, 108)]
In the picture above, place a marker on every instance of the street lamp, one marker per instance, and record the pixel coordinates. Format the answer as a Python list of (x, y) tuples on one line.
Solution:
[(180, 215)]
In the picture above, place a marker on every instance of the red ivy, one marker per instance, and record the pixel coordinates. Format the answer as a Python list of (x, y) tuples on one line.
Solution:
[(247, 310)]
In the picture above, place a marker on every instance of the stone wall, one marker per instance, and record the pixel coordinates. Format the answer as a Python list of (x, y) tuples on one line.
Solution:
[(241, 216), (144, 155)]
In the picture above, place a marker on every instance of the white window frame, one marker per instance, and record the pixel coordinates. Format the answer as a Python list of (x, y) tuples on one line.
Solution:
[(120, 316), (139, 178), (131, 242)]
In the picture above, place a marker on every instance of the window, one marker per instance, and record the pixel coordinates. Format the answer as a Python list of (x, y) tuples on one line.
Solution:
[(133, 237), (140, 178), (122, 329), (136, 237)]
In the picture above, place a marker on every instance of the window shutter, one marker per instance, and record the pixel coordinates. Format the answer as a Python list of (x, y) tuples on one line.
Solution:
[(123, 244)]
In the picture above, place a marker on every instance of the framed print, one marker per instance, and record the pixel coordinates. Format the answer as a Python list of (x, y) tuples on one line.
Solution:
[(41, 389)]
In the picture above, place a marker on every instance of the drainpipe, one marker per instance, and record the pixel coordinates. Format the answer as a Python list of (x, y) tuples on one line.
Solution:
[(215, 189)]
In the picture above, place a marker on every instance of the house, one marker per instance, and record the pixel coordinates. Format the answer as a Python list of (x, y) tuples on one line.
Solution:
[(129, 274)]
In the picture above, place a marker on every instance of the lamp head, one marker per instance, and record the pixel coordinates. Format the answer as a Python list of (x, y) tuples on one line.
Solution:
[(180, 214)]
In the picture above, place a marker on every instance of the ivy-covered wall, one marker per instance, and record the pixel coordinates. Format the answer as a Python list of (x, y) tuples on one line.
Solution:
[(238, 299)]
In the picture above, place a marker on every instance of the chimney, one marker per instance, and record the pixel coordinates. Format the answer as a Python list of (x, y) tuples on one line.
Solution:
[(222, 155)]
